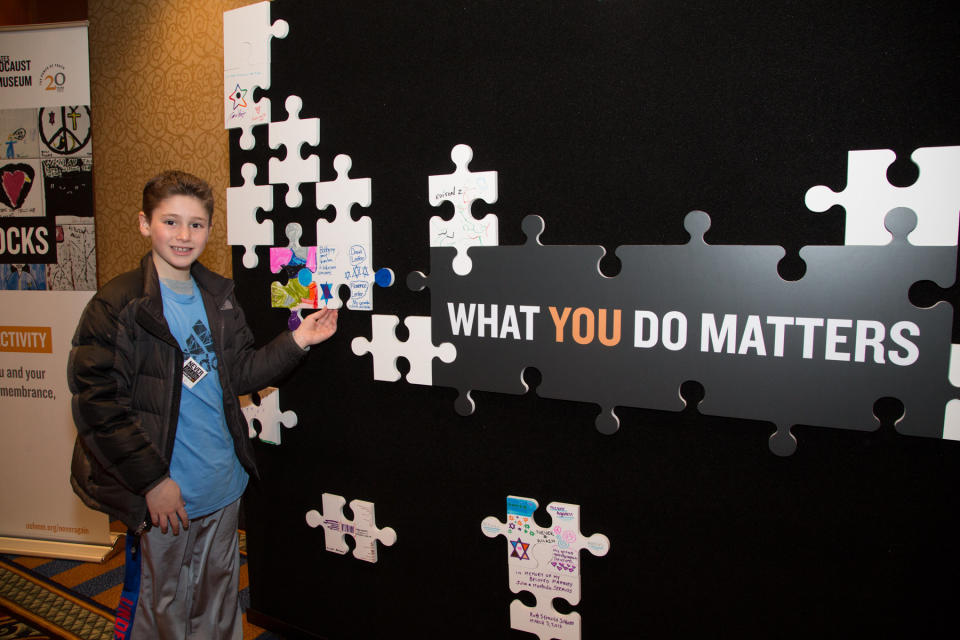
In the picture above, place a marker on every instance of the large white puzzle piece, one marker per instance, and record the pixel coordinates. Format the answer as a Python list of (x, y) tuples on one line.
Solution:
[(363, 527), (461, 188), (242, 226), (868, 196), (345, 246), (418, 350), (265, 409), (544, 561), (246, 66), (293, 133)]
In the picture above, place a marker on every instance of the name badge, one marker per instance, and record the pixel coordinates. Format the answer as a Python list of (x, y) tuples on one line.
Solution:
[(193, 373)]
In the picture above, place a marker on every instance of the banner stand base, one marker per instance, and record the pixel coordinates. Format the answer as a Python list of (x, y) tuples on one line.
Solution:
[(60, 549)]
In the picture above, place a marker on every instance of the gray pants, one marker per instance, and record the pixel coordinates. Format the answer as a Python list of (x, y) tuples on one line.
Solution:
[(188, 582)]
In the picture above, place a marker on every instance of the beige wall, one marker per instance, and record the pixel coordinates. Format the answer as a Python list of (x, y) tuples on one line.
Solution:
[(156, 82)]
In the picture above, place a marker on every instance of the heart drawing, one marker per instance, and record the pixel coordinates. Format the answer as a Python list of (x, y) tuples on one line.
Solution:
[(17, 180)]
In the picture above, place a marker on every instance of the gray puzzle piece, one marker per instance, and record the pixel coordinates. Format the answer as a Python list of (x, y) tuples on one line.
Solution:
[(858, 295)]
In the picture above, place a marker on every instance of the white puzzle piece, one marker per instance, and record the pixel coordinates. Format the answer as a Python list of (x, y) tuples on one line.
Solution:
[(418, 350), (868, 197), (242, 226), (246, 66), (544, 561), (363, 528), (293, 133), (345, 246), (267, 413), (461, 188)]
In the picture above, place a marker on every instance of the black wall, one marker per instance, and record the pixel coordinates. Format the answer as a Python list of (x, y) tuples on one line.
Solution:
[(611, 120)]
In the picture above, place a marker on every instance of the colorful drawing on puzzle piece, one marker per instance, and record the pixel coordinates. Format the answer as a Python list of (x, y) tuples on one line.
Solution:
[(545, 562)]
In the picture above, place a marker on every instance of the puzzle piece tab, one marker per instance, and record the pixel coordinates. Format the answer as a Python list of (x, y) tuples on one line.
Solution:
[(267, 412), (868, 196), (242, 226), (544, 561), (293, 133), (461, 188), (363, 528), (246, 66), (418, 350)]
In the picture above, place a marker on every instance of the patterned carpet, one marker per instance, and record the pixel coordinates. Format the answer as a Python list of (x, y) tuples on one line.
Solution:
[(50, 598)]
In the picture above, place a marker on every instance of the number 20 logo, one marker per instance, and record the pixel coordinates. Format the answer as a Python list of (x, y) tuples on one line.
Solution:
[(55, 81)]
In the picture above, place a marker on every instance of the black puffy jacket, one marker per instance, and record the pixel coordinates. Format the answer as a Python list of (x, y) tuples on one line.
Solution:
[(125, 373)]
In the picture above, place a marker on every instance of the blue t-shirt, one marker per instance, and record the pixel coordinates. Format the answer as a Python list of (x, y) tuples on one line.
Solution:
[(204, 462)]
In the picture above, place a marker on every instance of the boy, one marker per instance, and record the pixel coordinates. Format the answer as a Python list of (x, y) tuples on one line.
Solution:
[(158, 360)]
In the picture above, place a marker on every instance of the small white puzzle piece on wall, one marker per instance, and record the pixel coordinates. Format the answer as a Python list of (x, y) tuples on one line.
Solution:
[(300, 264), (868, 197), (544, 561), (265, 409), (363, 528), (345, 246), (246, 66), (242, 226), (418, 350), (461, 188), (292, 134)]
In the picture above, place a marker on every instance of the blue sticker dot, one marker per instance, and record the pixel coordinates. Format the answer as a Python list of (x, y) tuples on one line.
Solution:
[(384, 277)]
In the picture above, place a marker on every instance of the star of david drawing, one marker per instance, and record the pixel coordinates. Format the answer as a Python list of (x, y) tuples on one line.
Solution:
[(238, 96), (520, 549), (326, 293)]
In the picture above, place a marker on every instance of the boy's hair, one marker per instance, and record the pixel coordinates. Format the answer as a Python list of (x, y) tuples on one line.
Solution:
[(176, 183)]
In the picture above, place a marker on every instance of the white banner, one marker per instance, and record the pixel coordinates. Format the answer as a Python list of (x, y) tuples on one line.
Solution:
[(47, 274), (37, 429)]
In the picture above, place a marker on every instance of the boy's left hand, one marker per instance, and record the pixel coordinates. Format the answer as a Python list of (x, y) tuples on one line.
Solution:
[(316, 327)]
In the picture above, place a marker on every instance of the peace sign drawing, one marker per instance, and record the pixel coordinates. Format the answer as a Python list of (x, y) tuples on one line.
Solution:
[(65, 130)]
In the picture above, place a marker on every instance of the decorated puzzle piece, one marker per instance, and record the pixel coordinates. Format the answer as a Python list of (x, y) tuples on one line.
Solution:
[(461, 188), (293, 133), (242, 226), (868, 196), (418, 350), (299, 263), (544, 561), (264, 407), (246, 66), (363, 527), (344, 246)]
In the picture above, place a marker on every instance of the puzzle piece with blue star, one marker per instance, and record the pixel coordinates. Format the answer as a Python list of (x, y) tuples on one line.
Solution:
[(345, 245), (544, 561)]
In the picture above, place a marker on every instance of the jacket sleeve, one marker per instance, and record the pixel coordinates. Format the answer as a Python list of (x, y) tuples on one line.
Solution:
[(252, 369), (99, 372)]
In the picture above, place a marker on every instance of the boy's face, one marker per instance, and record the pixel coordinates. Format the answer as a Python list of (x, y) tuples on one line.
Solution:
[(178, 230)]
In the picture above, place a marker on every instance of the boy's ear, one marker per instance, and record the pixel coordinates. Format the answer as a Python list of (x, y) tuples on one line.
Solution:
[(144, 224)]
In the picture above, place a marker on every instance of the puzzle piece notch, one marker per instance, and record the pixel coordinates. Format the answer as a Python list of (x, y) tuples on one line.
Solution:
[(868, 196), (545, 562), (242, 205), (246, 66), (418, 350), (461, 188), (362, 528), (267, 412), (292, 133)]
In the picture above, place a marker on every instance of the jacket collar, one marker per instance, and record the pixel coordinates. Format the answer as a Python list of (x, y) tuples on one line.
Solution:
[(210, 284)]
